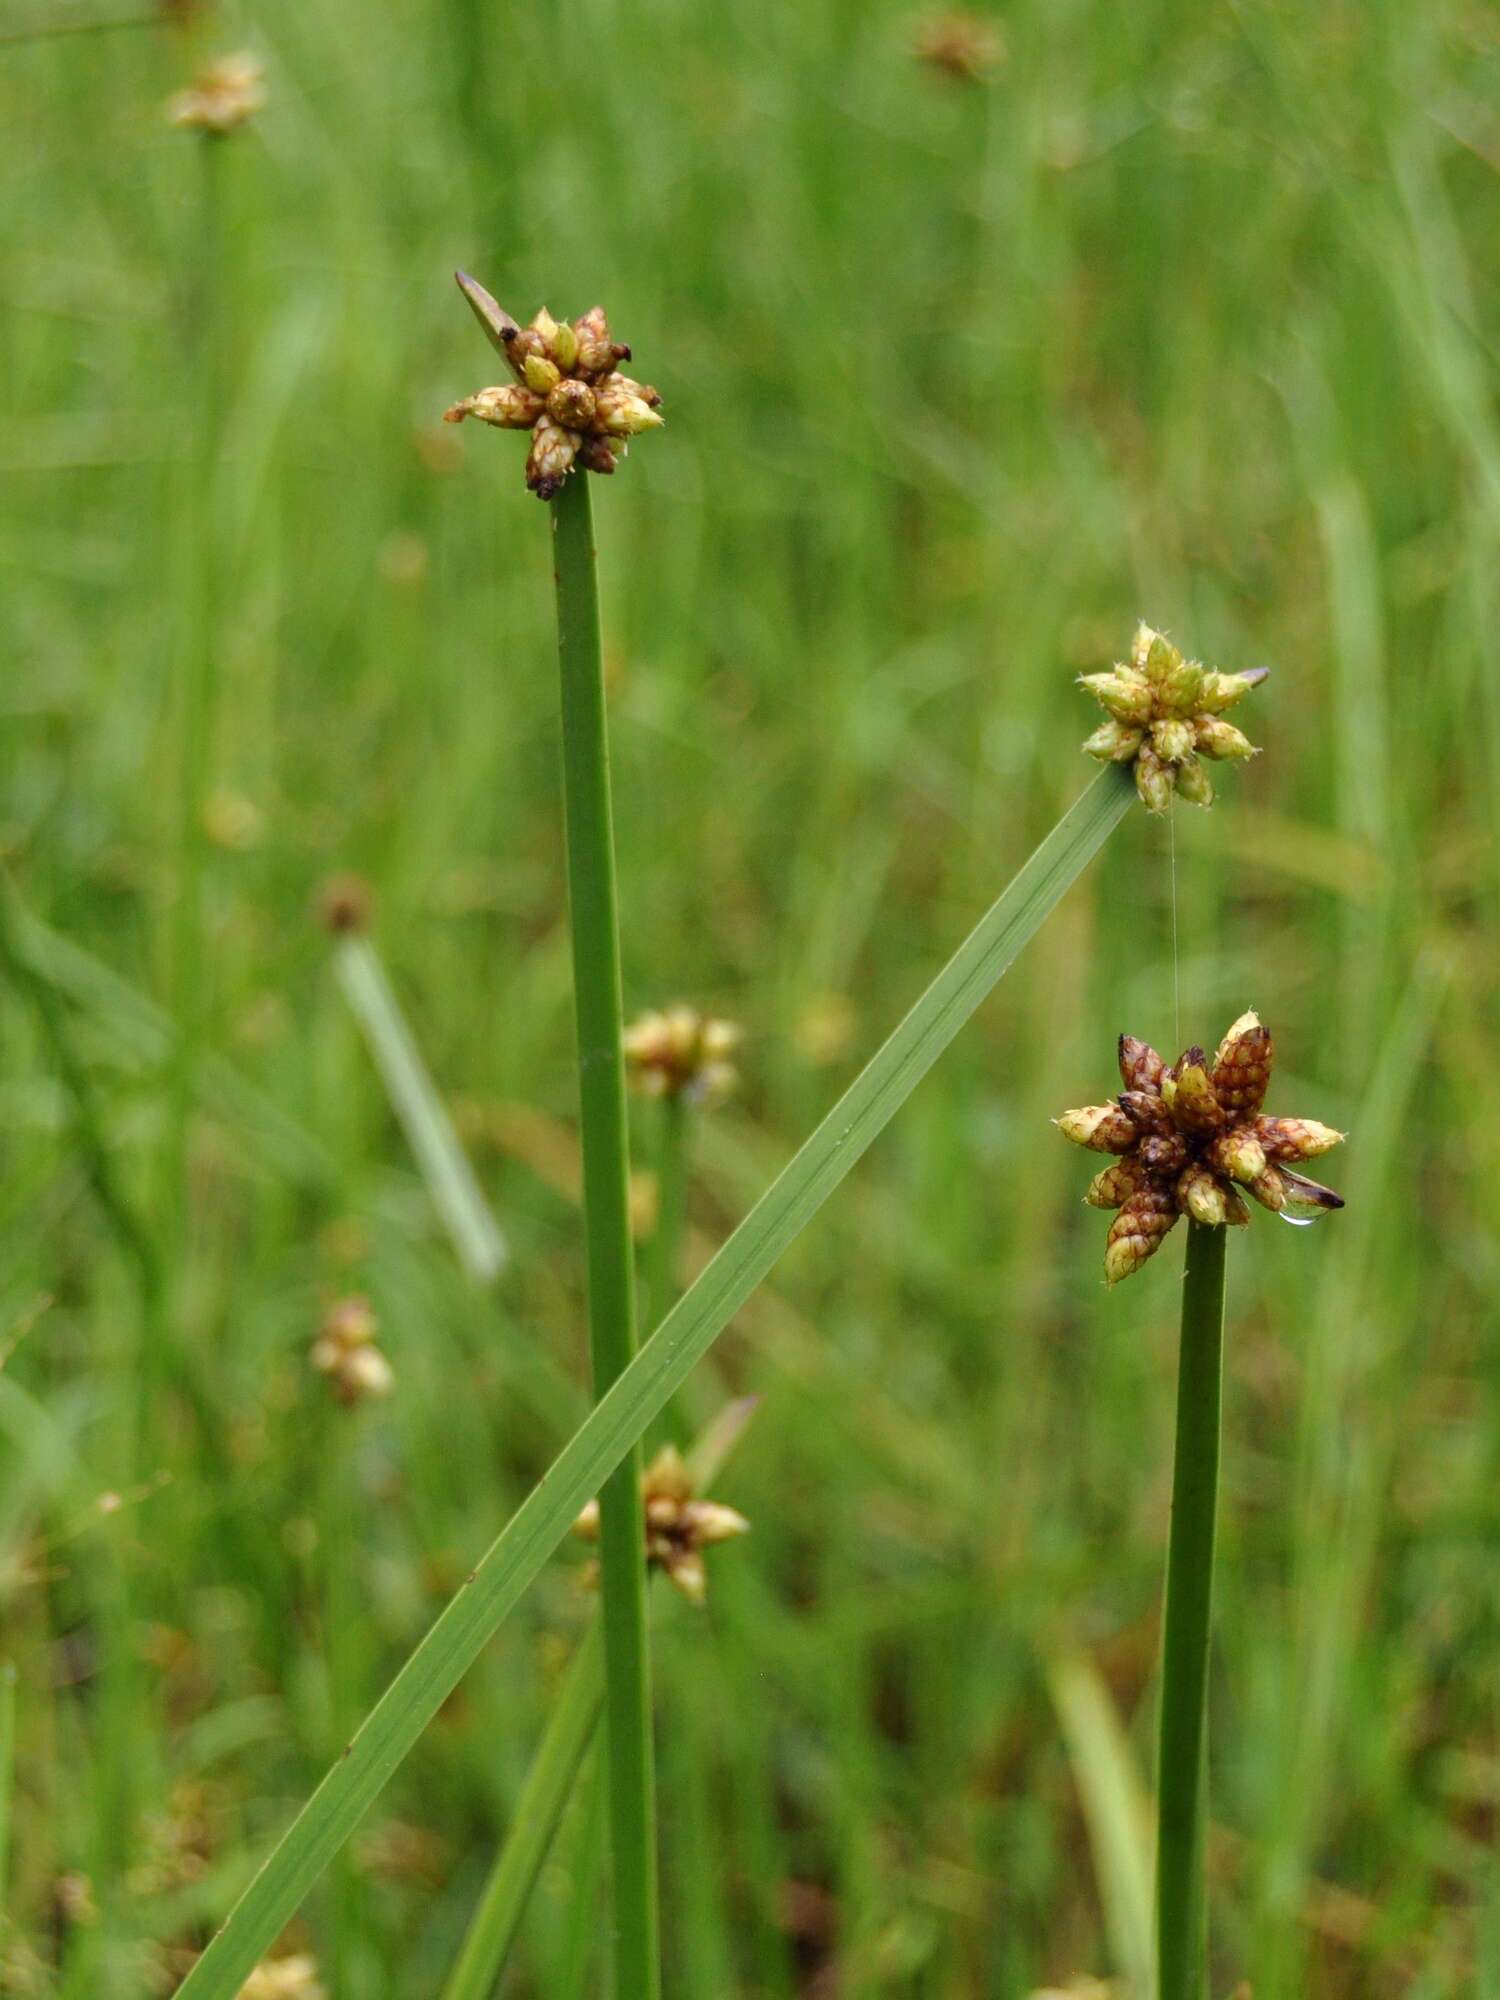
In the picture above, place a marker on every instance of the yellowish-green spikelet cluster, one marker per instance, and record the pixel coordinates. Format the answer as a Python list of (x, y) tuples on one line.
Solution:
[(1166, 715)]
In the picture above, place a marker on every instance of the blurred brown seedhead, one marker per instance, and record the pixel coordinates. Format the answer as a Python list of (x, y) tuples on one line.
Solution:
[(221, 97), (679, 1526), (568, 391), (1166, 714), (682, 1053), (1188, 1138), (345, 1352), (293, 1978), (346, 903), (966, 47)]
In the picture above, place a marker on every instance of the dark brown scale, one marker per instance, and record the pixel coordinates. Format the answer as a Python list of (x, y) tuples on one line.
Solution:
[(1140, 1066), (1145, 1110), (1163, 1153)]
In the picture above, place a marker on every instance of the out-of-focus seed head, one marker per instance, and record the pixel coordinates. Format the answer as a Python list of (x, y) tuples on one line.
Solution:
[(222, 97), (568, 391), (1164, 716), (682, 1053), (964, 47), (345, 1353), (292, 1978), (346, 904), (1188, 1138), (679, 1525)]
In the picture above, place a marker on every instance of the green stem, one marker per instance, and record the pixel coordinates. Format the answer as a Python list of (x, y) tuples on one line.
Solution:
[(606, 1203), (1182, 1786), (549, 1784), (660, 1288), (195, 706)]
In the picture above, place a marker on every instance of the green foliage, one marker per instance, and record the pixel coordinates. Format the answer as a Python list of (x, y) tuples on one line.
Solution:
[(1186, 313)]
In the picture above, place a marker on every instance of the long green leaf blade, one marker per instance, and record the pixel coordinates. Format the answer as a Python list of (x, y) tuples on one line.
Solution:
[(663, 1364), (472, 1230)]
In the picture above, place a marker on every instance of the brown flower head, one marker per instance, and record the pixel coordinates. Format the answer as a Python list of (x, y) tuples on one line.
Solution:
[(568, 391), (679, 1526), (963, 46), (1166, 714), (682, 1053), (1188, 1138), (222, 96), (292, 1978), (346, 1353)]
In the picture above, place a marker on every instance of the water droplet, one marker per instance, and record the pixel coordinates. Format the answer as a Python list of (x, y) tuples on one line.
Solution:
[(1302, 1221)]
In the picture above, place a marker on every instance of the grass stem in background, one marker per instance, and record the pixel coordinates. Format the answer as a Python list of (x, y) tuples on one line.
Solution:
[(7, 1766), (606, 1209), (197, 676), (665, 1248), (606, 1436), (548, 1787), (444, 1166), (554, 1771), (1182, 1784)]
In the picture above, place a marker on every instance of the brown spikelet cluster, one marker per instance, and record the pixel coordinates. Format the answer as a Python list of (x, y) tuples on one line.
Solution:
[(222, 97), (679, 1526), (682, 1053), (1188, 1138), (568, 391), (962, 46), (1166, 715), (345, 1352)]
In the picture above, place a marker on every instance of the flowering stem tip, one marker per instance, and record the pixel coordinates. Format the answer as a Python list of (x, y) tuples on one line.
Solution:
[(1188, 1138), (1166, 714), (567, 390)]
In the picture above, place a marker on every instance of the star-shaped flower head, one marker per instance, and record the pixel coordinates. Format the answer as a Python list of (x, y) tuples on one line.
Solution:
[(1165, 715), (682, 1053), (1189, 1138), (568, 391), (679, 1526)]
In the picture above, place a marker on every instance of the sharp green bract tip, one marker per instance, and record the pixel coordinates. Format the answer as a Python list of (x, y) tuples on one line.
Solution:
[(499, 327)]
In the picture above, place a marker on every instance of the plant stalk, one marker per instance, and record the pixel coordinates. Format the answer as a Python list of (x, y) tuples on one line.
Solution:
[(549, 1785), (606, 1205), (660, 1288), (1182, 1785)]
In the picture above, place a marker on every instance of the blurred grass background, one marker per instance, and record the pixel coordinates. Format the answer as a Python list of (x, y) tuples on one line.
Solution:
[(1189, 313)]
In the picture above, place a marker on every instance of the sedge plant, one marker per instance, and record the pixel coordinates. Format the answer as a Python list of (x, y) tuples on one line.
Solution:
[(568, 390), (1190, 1139)]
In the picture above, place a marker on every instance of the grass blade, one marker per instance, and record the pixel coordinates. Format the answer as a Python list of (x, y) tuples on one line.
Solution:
[(663, 1364), (444, 1166), (549, 1784), (1115, 1810)]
